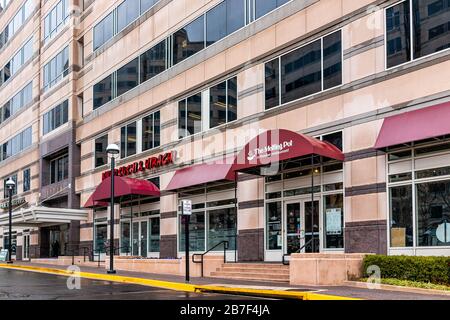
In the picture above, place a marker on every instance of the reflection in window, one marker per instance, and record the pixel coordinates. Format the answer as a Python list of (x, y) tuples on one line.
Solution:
[(332, 60), (196, 232), (127, 12), (222, 227), (263, 7), (190, 116), (128, 140), (433, 213), (153, 61), (59, 169), (273, 226), (223, 102), (127, 77), (101, 157), (103, 92), (398, 34), (272, 75), (56, 69), (188, 40), (334, 221), (103, 31), (401, 219), (151, 131)]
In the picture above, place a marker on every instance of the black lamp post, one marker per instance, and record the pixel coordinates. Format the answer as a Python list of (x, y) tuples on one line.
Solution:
[(112, 150), (10, 185)]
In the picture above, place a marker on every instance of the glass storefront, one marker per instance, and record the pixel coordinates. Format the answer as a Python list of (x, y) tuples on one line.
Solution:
[(419, 196)]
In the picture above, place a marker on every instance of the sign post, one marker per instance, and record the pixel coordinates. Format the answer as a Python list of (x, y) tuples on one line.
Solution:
[(186, 211)]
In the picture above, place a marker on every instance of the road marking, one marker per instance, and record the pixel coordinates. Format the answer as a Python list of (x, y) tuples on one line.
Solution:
[(177, 286)]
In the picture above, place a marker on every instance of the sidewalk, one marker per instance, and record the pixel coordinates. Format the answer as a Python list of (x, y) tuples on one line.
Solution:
[(234, 286)]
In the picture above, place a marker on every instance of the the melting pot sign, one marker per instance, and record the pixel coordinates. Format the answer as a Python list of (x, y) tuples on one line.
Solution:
[(270, 151)]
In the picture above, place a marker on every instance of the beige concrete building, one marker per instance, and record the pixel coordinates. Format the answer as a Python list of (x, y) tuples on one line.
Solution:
[(181, 85)]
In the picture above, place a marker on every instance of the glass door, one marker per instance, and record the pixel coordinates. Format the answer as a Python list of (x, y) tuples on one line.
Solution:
[(26, 247), (135, 239), (294, 239), (153, 237), (312, 228), (100, 236), (143, 238), (140, 238)]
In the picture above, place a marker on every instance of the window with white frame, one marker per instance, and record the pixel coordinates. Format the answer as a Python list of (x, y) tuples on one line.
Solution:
[(128, 140), (151, 131), (55, 19), (56, 69), (419, 196)]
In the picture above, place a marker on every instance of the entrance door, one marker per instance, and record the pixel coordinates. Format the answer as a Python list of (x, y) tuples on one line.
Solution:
[(310, 229), (100, 236), (293, 228), (140, 238), (26, 247)]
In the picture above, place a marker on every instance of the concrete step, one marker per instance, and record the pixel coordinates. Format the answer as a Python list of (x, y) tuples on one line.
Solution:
[(248, 275), (265, 266), (247, 278), (254, 270)]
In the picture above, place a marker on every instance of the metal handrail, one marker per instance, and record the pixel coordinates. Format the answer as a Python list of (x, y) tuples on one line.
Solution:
[(286, 262), (225, 248)]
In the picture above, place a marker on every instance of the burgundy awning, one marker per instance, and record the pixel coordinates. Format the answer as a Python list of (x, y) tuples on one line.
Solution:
[(415, 125), (279, 145), (90, 203), (122, 187), (201, 174)]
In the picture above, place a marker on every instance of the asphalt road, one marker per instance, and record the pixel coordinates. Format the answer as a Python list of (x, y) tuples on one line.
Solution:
[(23, 285)]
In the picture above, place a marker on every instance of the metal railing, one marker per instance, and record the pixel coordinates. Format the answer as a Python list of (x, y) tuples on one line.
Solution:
[(202, 255), (286, 262)]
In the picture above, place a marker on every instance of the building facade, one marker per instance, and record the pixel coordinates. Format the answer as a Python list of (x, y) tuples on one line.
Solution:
[(184, 87)]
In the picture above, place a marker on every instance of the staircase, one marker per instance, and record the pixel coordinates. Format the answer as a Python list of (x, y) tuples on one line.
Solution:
[(265, 272)]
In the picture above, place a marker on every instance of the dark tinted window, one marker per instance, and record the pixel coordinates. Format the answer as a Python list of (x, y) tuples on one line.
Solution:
[(56, 117), (151, 131), (103, 31), (190, 115), (182, 119), (216, 23), (188, 40), (153, 61), (301, 72), (128, 140), (272, 83), (263, 7), (232, 99), (398, 35), (332, 60), (101, 157), (127, 12), (127, 77), (102, 92), (431, 27), (218, 105), (26, 180), (335, 139), (235, 15)]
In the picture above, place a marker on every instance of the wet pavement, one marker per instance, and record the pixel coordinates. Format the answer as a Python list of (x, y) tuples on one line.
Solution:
[(23, 285)]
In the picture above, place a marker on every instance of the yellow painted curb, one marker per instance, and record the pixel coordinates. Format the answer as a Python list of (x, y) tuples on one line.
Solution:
[(177, 286)]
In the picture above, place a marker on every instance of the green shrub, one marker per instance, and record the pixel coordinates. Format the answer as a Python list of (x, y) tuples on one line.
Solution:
[(413, 268)]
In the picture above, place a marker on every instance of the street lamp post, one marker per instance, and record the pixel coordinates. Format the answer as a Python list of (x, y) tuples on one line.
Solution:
[(10, 185), (112, 150)]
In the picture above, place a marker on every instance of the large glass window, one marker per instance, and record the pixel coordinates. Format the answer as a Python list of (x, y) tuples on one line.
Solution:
[(223, 103), (127, 12), (196, 232), (59, 169), (103, 92), (127, 77), (153, 61), (103, 31), (222, 227), (101, 157), (303, 72), (54, 20), (433, 213), (128, 140), (398, 34), (15, 24), (273, 226), (17, 61), (17, 144), (188, 40), (151, 131), (18, 101), (56, 69), (334, 221), (154, 235), (56, 117), (26, 180), (190, 116), (125, 244), (147, 4), (401, 216), (224, 19)]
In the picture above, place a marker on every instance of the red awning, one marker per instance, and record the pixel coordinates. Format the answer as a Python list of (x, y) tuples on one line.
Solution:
[(122, 187), (90, 203), (415, 125), (201, 174), (278, 145)]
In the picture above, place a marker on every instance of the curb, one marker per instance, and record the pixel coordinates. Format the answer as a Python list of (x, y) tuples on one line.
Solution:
[(390, 287), (177, 286)]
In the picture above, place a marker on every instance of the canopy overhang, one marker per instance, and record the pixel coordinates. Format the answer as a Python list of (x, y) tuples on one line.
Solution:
[(279, 145), (422, 124), (123, 187), (35, 216)]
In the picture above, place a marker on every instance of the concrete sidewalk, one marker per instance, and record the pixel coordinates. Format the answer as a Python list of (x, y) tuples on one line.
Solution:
[(228, 285)]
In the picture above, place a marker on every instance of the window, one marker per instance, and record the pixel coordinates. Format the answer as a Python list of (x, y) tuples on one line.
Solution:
[(16, 23), (222, 227), (127, 12), (188, 40), (5, 188), (103, 92), (101, 157), (190, 116), (18, 61), (103, 31), (26, 180), (401, 219), (15, 145), (430, 30), (224, 19), (334, 221), (263, 7), (147, 4), (59, 169), (273, 225), (127, 77), (21, 99), (56, 117), (54, 20), (335, 139), (302, 72), (56, 69), (153, 61), (223, 103), (196, 232), (151, 131), (128, 140)]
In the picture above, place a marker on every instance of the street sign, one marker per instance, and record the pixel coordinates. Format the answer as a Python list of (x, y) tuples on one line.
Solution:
[(186, 207), (3, 255)]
